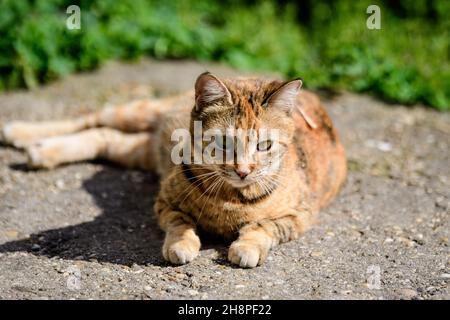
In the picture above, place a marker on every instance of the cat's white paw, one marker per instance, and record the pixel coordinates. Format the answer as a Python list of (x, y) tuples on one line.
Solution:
[(182, 251), (245, 254), (41, 156), (16, 134)]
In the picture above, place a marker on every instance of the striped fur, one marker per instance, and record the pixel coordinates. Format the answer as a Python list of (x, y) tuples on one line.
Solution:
[(280, 207)]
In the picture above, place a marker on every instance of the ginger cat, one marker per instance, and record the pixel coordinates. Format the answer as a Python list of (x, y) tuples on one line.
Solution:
[(270, 197)]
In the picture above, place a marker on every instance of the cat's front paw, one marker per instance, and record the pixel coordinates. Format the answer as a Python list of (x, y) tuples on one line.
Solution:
[(181, 251), (246, 254)]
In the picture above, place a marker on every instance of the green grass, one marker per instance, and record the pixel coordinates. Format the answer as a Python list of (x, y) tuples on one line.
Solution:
[(324, 42)]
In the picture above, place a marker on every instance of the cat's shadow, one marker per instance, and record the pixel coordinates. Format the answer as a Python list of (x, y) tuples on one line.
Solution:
[(126, 232)]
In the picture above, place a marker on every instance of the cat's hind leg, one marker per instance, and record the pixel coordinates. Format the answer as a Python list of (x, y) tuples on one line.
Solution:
[(132, 150), (132, 117), (21, 134)]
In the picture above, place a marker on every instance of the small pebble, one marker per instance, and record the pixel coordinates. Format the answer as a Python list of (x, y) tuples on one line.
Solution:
[(408, 293), (406, 241), (192, 292), (148, 292), (60, 184), (11, 233), (380, 145), (316, 253)]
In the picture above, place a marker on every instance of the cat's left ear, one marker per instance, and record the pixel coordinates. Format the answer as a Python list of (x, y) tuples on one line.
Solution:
[(285, 98), (210, 90)]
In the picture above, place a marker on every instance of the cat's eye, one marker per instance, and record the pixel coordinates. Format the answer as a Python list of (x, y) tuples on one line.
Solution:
[(224, 142), (264, 145)]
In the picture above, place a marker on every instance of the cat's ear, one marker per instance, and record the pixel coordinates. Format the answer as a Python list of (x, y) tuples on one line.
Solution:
[(209, 90), (285, 99)]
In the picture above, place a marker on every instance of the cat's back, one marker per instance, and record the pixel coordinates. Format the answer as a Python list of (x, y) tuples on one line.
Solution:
[(320, 151)]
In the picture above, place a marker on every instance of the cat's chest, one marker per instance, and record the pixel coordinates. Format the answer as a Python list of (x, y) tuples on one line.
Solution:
[(224, 218), (227, 217)]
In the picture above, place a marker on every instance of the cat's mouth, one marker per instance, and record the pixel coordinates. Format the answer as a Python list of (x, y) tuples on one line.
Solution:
[(237, 182), (240, 183)]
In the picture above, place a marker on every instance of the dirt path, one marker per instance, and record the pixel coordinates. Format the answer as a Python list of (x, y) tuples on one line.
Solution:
[(86, 230)]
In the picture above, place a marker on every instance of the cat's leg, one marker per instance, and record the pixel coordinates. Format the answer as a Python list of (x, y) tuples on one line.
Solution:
[(133, 117), (257, 238), (21, 134), (132, 150), (181, 244)]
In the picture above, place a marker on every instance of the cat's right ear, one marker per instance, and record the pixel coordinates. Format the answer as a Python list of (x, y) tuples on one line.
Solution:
[(210, 90)]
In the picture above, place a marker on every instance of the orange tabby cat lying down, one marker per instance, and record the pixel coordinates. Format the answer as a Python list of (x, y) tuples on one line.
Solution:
[(270, 197)]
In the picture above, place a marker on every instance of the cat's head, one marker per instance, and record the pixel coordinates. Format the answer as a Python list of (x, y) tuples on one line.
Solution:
[(251, 124)]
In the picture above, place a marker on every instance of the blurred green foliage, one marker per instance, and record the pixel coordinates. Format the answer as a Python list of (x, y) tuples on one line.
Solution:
[(326, 43)]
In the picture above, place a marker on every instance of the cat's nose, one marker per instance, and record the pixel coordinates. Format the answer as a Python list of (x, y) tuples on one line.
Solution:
[(242, 173)]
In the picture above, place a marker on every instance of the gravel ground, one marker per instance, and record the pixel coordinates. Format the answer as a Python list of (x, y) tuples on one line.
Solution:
[(86, 230)]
